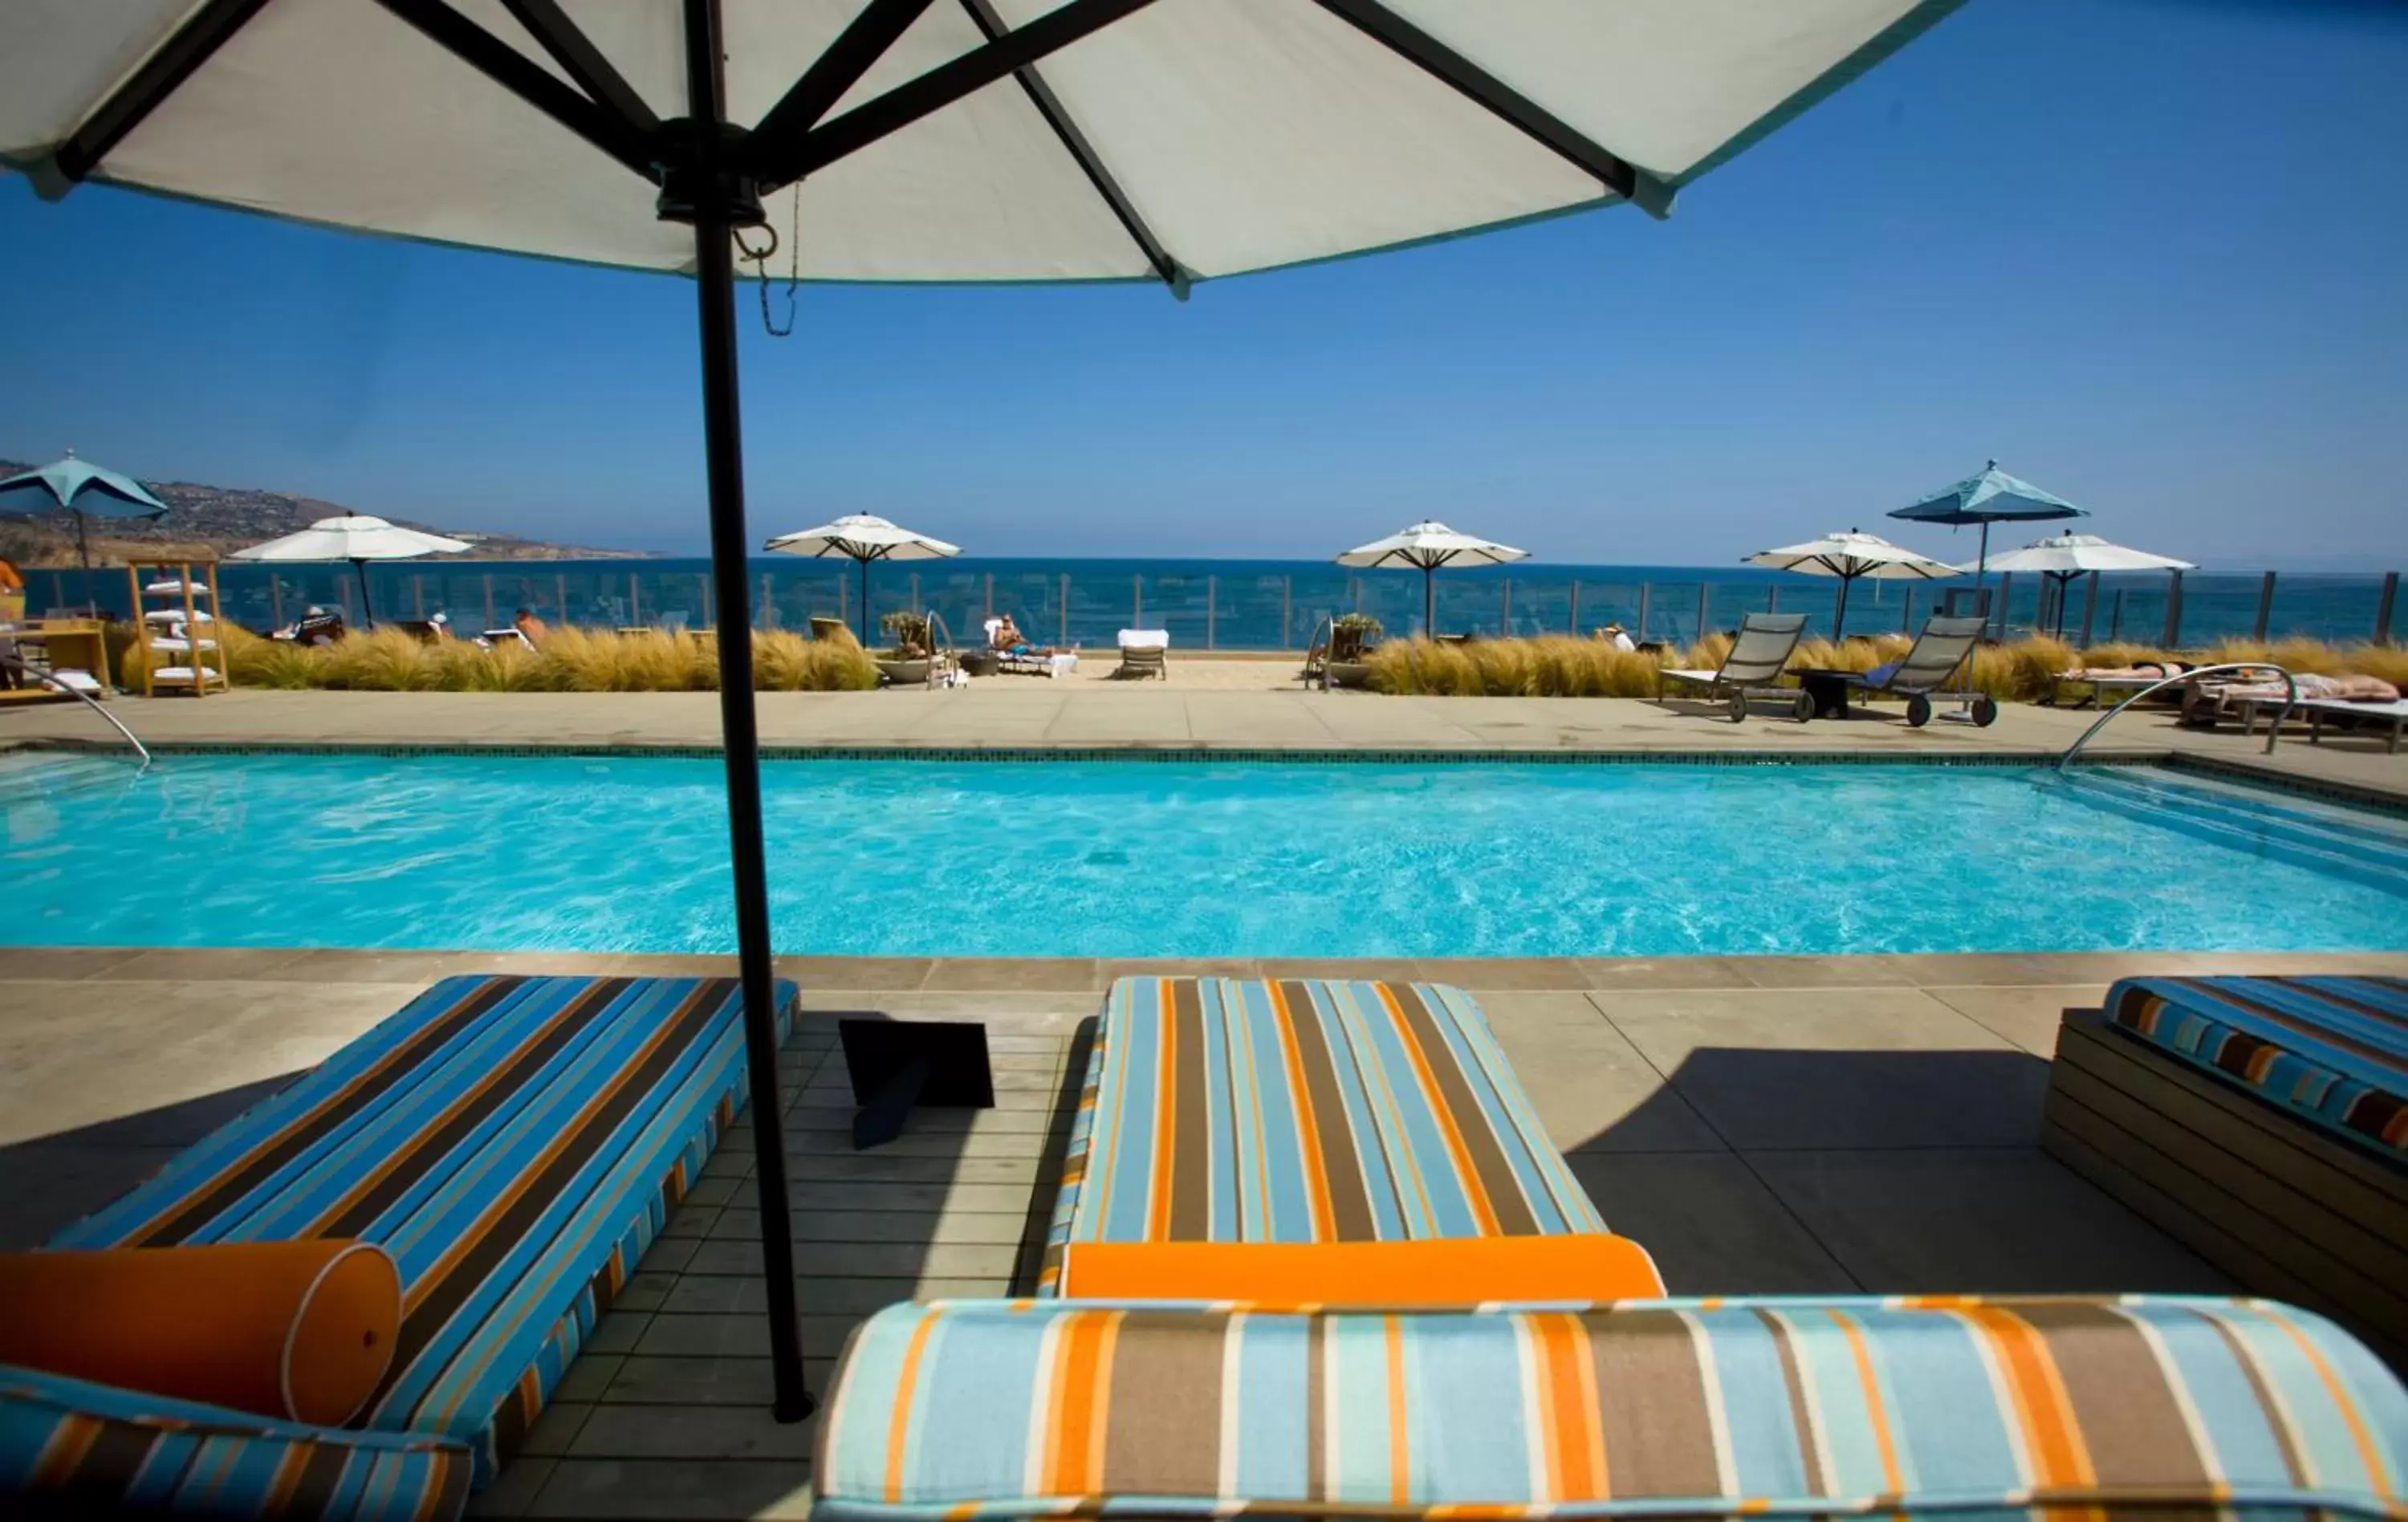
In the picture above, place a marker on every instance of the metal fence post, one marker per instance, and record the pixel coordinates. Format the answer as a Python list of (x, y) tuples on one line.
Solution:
[(2116, 617), (768, 619), (1705, 597), (417, 597), (2006, 595), (488, 580), (1287, 596), (843, 600), (710, 613), (990, 594), (2174, 610), (2265, 606), (1772, 598), (2383, 608), (343, 590), (1137, 600), (636, 597), (1212, 596), (915, 592), (1573, 620), (275, 601), (1505, 609), (1354, 583), (1906, 615), (1063, 637), (2089, 606)]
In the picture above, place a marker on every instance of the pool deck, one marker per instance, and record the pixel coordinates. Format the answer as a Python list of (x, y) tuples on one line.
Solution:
[(1770, 1124), (1800, 1124), (1034, 713)]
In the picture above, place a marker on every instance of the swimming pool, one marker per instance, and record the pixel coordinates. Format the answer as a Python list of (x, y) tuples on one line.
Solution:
[(913, 857)]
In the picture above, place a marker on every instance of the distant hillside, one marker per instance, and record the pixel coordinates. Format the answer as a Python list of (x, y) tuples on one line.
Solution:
[(218, 520)]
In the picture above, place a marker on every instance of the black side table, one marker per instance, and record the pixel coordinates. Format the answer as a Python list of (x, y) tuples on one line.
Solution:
[(898, 1064), (1830, 690)]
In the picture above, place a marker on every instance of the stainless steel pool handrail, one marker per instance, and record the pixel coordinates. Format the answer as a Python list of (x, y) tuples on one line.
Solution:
[(2273, 731), (47, 680)]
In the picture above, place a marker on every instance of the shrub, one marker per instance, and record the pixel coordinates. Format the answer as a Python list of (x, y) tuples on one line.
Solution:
[(570, 660), (1548, 667)]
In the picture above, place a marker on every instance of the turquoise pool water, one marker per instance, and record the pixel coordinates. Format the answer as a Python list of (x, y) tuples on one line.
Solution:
[(1180, 860)]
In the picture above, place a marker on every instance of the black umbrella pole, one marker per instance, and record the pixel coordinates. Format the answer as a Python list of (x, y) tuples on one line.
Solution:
[(723, 451)]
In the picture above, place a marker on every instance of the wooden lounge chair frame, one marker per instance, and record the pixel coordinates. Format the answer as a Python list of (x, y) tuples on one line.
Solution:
[(2273, 1200)]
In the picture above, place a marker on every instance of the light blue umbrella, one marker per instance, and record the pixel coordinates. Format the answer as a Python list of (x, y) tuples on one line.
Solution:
[(1991, 497), (83, 489)]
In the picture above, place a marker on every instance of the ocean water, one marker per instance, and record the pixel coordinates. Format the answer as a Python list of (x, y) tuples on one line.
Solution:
[(1184, 859), (1244, 604)]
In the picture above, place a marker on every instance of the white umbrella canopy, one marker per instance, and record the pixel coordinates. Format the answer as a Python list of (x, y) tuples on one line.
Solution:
[(1387, 123), (1425, 546), (862, 536), (359, 538), (2071, 554), (2062, 557), (906, 140), (1852, 556)]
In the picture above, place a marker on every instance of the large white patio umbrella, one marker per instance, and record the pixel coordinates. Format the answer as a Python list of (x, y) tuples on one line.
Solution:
[(863, 537), (1852, 556), (1427, 546), (1007, 140), (358, 539), (2064, 556)]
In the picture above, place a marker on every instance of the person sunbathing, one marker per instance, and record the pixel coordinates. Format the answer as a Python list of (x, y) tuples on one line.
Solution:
[(2346, 687), (2152, 670), (1008, 639)]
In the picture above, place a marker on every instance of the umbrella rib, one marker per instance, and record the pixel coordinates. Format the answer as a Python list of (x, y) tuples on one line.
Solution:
[(175, 61), (583, 62), (1049, 106), (781, 162), (874, 29), (515, 72), (1484, 89)]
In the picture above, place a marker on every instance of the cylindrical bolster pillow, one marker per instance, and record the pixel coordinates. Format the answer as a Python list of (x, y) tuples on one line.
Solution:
[(1432, 1272), (299, 1330)]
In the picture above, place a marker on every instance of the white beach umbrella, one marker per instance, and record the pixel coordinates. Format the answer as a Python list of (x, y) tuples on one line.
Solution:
[(907, 140), (1852, 556), (2062, 557), (863, 537), (358, 539), (1427, 546)]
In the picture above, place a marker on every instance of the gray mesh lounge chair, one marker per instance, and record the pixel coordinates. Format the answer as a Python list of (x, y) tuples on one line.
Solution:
[(1755, 659), (1939, 653)]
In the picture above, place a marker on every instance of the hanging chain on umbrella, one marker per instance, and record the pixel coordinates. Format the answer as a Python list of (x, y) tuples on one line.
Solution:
[(760, 259)]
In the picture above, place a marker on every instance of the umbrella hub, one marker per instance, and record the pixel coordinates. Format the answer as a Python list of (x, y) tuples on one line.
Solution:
[(700, 171)]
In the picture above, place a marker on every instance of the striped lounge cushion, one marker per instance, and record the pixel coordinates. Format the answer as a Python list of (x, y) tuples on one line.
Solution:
[(2331, 1050), (2136, 1406), (78, 1449), (514, 1142), (1223, 1109)]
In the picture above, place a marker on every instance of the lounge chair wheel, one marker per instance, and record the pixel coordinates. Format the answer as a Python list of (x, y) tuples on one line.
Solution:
[(1918, 711), (1803, 709), (1738, 708), (1985, 712)]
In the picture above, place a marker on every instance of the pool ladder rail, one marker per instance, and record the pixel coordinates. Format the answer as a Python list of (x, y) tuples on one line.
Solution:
[(2273, 731), (86, 698)]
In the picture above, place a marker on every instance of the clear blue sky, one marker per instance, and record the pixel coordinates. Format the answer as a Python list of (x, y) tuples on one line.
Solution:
[(2151, 254)]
